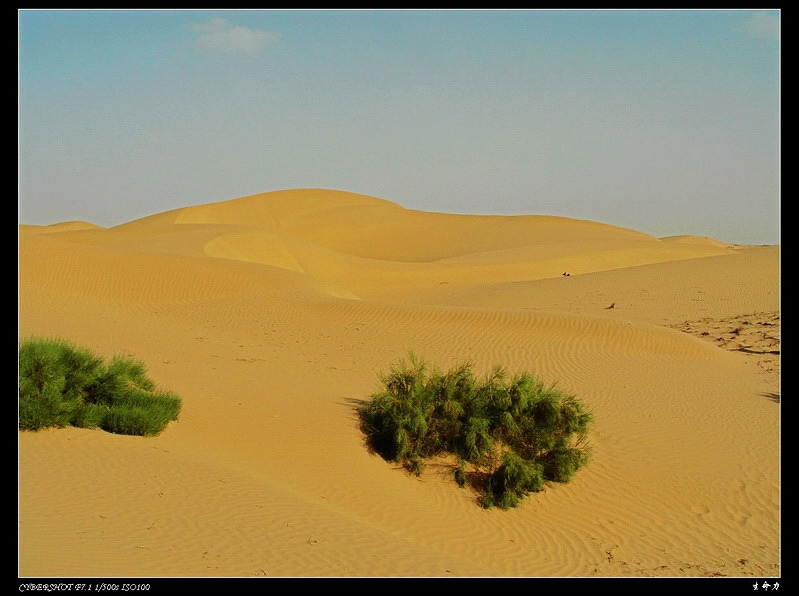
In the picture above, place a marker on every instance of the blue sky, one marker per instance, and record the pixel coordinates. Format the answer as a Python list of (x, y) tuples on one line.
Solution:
[(667, 122)]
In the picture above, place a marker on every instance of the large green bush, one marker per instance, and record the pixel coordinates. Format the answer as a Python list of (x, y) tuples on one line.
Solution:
[(63, 385), (508, 436)]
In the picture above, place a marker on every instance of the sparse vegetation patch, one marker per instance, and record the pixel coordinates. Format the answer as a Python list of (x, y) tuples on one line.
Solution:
[(508, 435), (63, 385)]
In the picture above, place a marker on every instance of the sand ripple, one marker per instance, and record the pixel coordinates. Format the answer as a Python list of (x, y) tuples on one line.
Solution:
[(272, 316)]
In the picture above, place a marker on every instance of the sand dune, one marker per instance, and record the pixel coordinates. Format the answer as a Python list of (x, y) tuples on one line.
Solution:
[(59, 227), (271, 315), (701, 240)]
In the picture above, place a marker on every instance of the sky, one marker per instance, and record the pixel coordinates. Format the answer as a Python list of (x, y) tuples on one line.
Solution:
[(663, 121)]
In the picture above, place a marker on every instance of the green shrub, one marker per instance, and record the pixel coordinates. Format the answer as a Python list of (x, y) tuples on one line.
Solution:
[(62, 385), (509, 436)]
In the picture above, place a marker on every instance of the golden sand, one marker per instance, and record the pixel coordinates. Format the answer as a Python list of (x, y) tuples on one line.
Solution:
[(271, 315)]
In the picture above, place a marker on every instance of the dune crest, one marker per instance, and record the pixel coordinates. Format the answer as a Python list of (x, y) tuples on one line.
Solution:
[(272, 316), (701, 240), (278, 208), (66, 226)]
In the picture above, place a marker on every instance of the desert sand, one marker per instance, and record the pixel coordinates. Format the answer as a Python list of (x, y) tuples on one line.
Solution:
[(272, 316)]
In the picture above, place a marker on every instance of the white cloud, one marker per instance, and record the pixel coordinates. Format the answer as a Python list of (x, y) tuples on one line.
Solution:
[(761, 25), (220, 35)]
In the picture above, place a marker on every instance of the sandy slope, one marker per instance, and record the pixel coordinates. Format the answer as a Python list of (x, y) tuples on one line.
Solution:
[(272, 315)]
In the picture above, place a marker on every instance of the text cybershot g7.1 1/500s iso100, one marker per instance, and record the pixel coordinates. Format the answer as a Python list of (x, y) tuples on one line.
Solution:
[(83, 587)]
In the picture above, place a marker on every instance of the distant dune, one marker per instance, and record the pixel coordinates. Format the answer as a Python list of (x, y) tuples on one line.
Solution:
[(688, 239), (272, 315), (59, 227)]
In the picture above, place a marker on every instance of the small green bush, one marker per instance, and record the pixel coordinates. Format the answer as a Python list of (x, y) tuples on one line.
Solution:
[(63, 385), (509, 436)]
